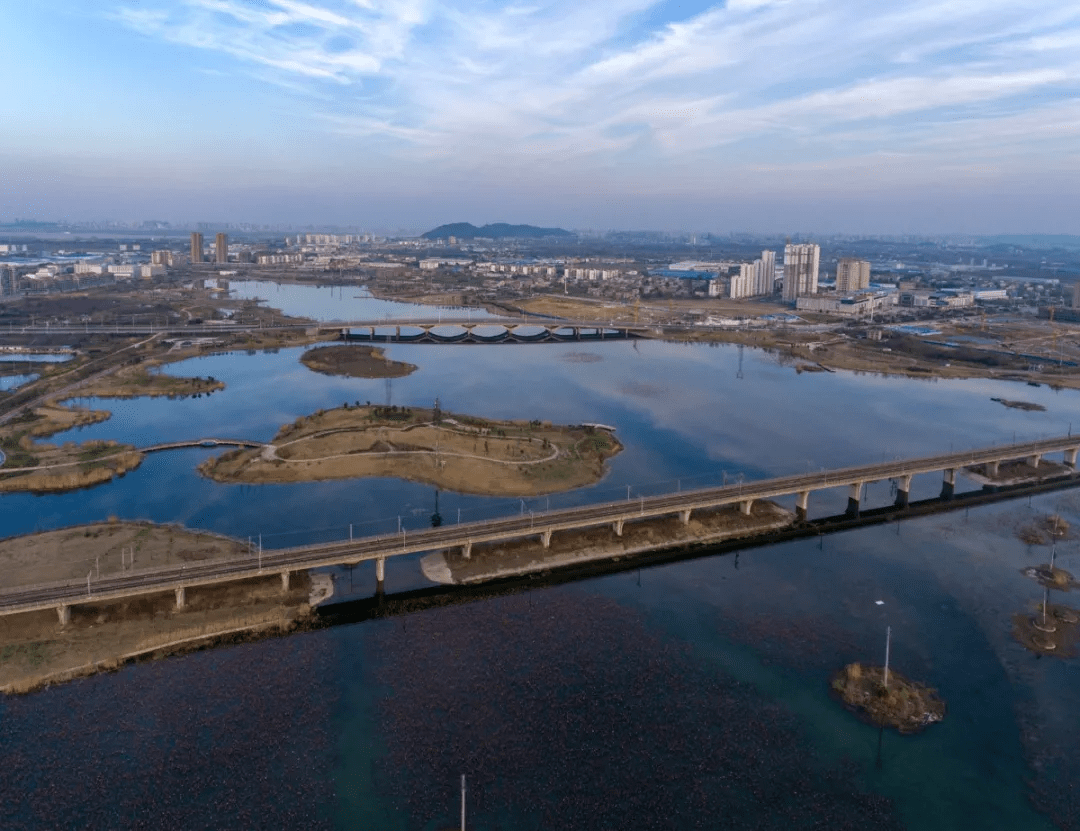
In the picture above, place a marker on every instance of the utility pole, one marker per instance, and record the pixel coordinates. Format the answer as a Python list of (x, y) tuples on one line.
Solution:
[(888, 638), (463, 802)]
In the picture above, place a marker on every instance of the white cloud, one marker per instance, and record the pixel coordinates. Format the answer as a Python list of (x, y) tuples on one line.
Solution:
[(588, 87)]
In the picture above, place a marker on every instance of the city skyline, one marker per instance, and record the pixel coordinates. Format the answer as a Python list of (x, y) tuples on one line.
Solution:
[(927, 117)]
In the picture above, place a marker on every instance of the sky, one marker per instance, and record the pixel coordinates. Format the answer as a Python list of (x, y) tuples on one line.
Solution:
[(776, 116)]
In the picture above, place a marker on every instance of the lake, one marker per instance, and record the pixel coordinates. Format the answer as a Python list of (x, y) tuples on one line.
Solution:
[(684, 696)]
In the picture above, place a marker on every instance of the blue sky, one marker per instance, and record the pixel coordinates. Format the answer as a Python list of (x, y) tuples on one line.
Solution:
[(772, 115)]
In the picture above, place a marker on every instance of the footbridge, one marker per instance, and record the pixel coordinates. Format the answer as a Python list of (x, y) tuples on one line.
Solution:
[(177, 445), (542, 526)]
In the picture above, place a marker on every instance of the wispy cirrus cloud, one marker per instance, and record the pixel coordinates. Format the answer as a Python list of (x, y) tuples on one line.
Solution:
[(643, 95), (475, 72)]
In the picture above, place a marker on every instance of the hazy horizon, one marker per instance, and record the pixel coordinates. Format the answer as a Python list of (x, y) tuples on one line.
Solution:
[(757, 116)]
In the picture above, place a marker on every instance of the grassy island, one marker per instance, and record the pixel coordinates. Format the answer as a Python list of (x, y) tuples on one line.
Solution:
[(906, 705), (40, 467), (454, 452), (355, 362)]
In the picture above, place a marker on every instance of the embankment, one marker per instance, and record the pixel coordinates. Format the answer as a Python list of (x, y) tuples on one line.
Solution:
[(497, 560), (36, 651)]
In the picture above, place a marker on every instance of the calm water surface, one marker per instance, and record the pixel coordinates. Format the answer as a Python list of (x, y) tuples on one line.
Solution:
[(329, 303), (693, 695)]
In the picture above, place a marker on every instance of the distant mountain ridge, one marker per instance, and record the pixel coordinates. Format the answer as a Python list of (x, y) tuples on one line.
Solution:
[(496, 230)]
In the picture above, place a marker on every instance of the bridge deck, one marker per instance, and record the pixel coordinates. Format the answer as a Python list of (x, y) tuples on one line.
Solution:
[(382, 547)]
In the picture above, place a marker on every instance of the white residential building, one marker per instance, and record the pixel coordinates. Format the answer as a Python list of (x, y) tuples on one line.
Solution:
[(764, 273), (852, 275), (742, 282), (800, 270)]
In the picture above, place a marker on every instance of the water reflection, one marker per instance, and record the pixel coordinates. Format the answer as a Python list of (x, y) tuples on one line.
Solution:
[(11, 382), (330, 303), (589, 668)]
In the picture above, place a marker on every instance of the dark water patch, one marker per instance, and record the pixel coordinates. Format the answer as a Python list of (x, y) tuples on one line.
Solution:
[(231, 739), (566, 711)]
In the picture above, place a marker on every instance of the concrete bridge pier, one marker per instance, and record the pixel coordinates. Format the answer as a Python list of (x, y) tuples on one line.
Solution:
[(1070, 457), (948, 486), (801, 504), (684, 516), (617, 527), (284, 581), (854, 496), (1034, 459), (545, 538), (745, 506), (903, 490), (380, 575), (64, 613), (466, 550), (181, 598), (992, 468)]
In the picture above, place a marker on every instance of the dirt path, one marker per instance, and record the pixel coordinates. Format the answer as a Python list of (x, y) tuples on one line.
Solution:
[(462, 453)]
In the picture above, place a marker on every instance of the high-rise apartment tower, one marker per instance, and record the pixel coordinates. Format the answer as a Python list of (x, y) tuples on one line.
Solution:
[(221, 248), (9, 284), (852, 275), (742, 284), (196, 247), (800, 270), (764, 273)]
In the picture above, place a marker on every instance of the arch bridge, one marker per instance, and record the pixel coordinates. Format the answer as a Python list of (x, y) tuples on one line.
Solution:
[(490, 332)]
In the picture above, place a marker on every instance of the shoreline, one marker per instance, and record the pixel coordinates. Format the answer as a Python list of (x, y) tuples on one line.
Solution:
[(98, 461), (36, 652), (466, 454), (193, 643)]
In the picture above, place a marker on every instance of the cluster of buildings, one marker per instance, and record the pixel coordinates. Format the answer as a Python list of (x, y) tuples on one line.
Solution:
[(328, 240), (47, 278)]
